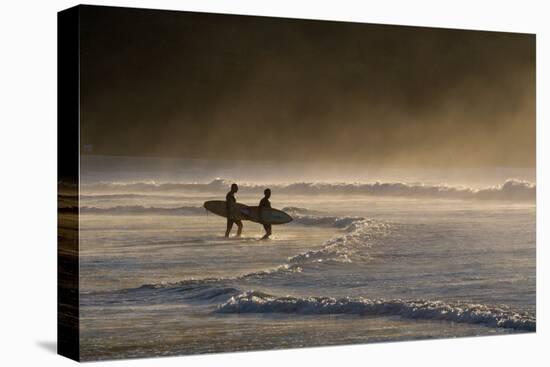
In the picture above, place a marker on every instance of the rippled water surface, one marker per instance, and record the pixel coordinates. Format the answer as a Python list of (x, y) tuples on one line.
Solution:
[(348, 269)]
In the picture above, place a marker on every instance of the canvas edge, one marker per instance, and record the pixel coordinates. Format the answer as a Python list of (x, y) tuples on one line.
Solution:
[(68, 152)]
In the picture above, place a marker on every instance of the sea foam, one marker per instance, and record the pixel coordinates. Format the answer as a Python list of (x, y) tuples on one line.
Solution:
[(357, 236), (493, 316)]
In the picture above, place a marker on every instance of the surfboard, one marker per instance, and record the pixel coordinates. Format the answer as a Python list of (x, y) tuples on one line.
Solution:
[(269, 215), (219, 207)]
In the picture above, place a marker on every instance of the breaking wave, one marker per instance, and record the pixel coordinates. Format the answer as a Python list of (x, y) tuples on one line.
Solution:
[(228, 299), (358, 236), (510, 190), (493, 316)]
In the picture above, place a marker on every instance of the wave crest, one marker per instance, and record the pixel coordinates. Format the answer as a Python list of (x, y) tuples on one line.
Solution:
[(494, 316), (325, 221), (358, 235)]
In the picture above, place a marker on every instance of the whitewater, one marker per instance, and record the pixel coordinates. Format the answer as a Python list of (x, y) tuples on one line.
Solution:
[(358, 264)]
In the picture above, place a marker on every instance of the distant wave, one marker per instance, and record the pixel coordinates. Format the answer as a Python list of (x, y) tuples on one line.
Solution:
[(294, 210), (325, 221), (493, 316), (150, 186), (510, 190), (142, 210)]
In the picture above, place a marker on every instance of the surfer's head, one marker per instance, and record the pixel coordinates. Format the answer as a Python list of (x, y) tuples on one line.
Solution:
[(234, 187), (267, 193)]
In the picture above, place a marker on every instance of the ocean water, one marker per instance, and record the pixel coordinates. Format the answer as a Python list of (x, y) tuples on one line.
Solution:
[(360, 263)]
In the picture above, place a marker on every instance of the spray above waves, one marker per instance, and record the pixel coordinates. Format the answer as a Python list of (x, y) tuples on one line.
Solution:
[(511, 189), (493, 316)]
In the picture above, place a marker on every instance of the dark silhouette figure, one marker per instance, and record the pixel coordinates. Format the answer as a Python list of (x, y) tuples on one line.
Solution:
[(230, 201), (264, 203)]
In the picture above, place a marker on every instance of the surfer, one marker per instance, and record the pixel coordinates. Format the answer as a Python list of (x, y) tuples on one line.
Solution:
[(265, 204), (230, 202)]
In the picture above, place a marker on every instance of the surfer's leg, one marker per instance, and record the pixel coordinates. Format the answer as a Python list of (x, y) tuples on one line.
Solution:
[(267, 228), (239, 227), (229, 226)]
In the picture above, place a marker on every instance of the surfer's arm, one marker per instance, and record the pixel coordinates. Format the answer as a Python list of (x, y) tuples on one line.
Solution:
[(261, 211), (229, 206)]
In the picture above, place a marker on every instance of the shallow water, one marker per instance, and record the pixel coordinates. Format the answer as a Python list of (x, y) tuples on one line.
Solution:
[(348, 269)]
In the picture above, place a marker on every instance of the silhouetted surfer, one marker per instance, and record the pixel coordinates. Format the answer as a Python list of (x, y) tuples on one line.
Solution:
[(264, 203), (230, 202)]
